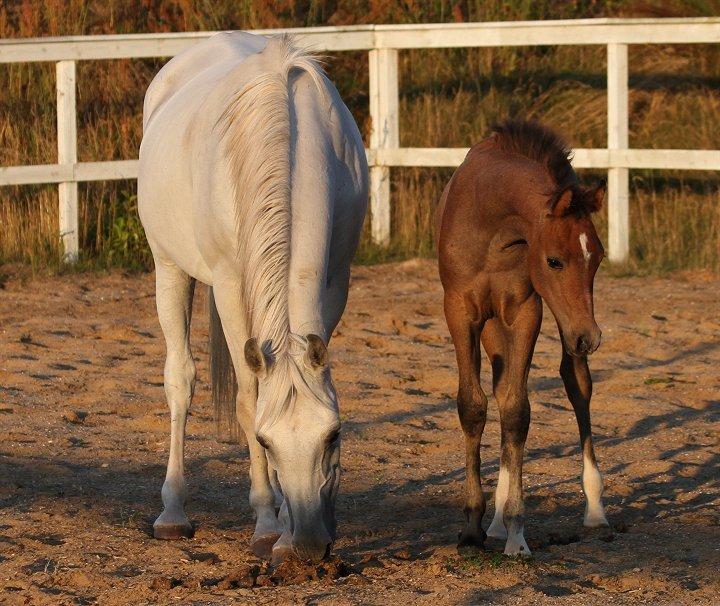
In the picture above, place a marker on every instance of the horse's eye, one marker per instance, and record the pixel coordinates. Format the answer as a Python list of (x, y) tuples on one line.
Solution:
[(554, 263), (333, 437)]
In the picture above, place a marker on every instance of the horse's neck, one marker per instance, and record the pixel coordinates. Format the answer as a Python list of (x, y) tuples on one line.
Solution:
[(312, 211)]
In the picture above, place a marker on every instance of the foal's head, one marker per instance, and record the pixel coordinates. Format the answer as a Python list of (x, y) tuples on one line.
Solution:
[(564, 255), (564, 250), (298, 424)]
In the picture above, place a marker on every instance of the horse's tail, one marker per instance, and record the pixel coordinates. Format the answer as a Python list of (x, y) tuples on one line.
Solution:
[(223, 379)]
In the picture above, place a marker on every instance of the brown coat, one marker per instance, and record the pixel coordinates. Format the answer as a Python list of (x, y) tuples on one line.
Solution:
[(514, 227)]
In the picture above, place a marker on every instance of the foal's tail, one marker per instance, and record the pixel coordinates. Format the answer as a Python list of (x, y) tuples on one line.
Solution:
[(224, 381)]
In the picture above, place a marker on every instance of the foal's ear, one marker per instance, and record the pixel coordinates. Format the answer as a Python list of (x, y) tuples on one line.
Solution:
[(255, 358), (316, 355), (562, 203), (594, 197)]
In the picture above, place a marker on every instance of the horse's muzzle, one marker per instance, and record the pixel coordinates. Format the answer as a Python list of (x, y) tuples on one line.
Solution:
[(313, 548)]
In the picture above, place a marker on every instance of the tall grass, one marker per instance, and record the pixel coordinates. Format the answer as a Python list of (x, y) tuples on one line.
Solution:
[(448, 98)]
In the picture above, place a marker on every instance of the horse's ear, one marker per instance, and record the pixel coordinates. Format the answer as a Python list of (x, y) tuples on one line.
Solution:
[(562, 204), (255, 358), (316, 355), (595, 196)]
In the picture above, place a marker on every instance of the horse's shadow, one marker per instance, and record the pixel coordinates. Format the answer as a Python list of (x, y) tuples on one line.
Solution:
[(421, 512)]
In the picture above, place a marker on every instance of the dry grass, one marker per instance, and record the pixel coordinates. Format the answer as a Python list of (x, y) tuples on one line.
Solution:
[(448, 98)]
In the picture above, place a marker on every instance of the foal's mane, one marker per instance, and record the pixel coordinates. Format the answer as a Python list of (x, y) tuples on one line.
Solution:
[(540, 144)]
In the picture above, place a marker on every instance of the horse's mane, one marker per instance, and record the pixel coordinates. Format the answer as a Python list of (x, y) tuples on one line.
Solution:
[(539, 143), (256, 131)]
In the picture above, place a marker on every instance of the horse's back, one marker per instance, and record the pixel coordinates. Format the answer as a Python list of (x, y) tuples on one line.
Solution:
[(186, 188), (224, 50), (181, 147)]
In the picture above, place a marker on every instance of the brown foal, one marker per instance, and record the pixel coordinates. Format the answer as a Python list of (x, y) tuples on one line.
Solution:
[(515, 229)]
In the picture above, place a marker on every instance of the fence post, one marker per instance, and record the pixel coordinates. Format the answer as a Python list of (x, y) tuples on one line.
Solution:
[(67, 154), (618, 178), (385, 135)]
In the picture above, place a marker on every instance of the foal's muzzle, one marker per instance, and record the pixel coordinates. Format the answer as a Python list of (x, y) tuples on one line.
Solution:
[(585, 343)]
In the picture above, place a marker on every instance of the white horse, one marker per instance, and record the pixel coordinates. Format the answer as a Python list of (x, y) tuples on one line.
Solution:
[(253, 180)]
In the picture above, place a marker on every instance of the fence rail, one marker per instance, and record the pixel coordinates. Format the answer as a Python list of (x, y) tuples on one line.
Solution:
[(383, 43)]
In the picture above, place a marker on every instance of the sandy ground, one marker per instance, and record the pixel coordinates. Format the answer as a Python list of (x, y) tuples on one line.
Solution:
[(84, 436)]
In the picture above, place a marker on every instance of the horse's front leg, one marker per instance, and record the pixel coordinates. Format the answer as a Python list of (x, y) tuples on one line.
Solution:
[(263, 495), (264, 492), (510, 348), (578, 386), (472, 410), (174, 295)]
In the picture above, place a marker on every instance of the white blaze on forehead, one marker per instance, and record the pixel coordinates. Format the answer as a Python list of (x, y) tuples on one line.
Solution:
[(583, 245)]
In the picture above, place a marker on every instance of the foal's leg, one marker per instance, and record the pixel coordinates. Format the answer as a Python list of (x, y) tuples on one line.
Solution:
[(472, 410), (174, 295), (511, 348), (493, 339), (578, 385), (262, 494)]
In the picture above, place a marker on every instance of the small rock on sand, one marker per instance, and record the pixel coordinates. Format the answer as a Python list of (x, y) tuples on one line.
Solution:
[(243, 576), (75, 416), (164, 583)]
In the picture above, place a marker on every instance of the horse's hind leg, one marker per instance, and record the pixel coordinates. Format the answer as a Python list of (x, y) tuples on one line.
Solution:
[(174, 295), (510, 349), (472, 410), (578, 385)]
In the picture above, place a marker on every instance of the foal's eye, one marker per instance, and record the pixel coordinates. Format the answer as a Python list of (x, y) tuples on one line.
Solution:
[(554, 263), (333, 437)]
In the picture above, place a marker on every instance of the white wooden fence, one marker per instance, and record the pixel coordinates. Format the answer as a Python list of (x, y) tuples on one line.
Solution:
[(383, 43)]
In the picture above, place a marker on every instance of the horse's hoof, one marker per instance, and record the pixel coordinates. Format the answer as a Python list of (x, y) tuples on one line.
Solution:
[(262, 546), (172, 532), (280, 554)]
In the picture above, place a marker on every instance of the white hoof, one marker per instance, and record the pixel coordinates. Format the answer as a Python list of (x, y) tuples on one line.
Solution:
[(595, 519), (497, 529), (516, 546), (594, 514)]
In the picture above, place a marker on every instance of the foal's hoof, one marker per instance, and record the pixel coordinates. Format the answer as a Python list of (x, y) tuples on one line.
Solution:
[(595, 520), (262, 546), (172, 531), (471, 538), (516, 546)]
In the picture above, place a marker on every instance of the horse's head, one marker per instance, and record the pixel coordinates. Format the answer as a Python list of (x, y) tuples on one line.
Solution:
[(564, 255), (298, 424)]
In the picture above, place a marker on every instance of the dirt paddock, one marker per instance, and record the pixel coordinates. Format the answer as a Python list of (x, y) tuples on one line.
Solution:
[(84, 437)]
